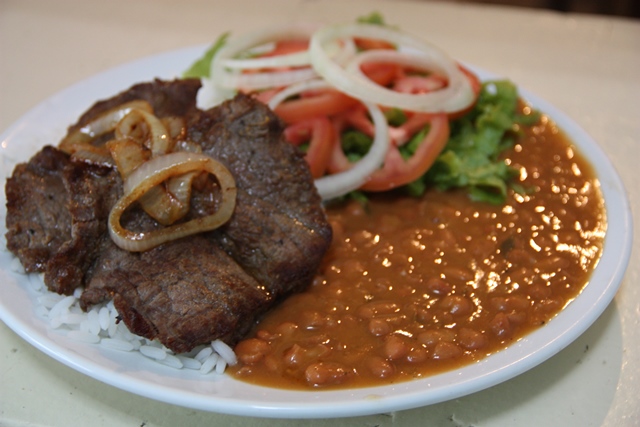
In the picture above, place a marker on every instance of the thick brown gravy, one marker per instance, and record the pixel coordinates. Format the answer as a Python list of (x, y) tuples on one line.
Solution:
[(413, 287)]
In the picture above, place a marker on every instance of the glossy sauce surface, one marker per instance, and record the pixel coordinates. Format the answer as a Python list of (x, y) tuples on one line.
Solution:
[(412, 287)]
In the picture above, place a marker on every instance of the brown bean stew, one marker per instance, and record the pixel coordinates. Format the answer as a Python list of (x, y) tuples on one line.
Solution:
[(413, 287)]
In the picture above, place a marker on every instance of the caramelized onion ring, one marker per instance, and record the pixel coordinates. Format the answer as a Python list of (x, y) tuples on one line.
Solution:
[(81, 138), (140, 129), (167, 204), (154, 172), (149, 130)]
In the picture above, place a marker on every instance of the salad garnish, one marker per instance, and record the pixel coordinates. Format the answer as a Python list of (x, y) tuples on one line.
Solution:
[(374, 108)]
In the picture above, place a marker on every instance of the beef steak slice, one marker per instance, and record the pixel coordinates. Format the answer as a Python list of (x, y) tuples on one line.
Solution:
[(184, 293), (38, 221), (193, 290), (279, 231), (57, 208)]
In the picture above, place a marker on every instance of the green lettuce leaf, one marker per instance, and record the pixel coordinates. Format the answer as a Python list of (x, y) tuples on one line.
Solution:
[(471, 158), (372, 18), (202, 66)]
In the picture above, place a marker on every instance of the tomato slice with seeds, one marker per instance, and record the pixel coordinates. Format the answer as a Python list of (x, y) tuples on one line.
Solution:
[(320, 134), (321, 103), (397, 171), (316, 117), (476, 86)]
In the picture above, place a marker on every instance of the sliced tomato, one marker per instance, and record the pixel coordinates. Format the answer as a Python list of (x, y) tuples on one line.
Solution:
[(397, 171), (366, 44), (285, 47), (321, 103), (266, 95), (356, 118), (419, 84), (476, 85), (394, 76), (381, 73), (414, 124), (320, 134)]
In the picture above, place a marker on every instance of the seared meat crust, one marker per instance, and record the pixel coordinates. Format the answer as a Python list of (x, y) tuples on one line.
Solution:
[(189, 291)]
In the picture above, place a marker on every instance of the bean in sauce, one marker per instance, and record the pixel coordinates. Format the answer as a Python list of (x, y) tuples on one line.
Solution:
[(416, 286)]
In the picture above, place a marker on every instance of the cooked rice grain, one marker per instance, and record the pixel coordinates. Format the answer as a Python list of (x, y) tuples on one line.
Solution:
[(99, 326)]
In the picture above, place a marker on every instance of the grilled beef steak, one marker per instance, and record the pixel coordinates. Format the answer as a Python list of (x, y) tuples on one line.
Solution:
[(192, 290), (277, 213), (56, 213)]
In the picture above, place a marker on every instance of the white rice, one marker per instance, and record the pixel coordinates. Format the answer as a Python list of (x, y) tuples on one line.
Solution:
[(209, 363), (153, 352), (99, 326)]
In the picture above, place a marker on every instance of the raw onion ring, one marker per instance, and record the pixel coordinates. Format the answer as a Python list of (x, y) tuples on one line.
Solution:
[(226, 56), (350, 79), (265, 80), (154, 172), (327, 103), (397, 171), (453, 97), (226, 69), (339, 184), (296, 89)]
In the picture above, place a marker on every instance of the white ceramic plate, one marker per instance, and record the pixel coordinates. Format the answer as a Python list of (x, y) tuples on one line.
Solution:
[(133, 372)]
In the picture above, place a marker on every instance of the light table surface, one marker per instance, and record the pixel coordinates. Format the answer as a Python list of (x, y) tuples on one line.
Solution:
[(587, 66)]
